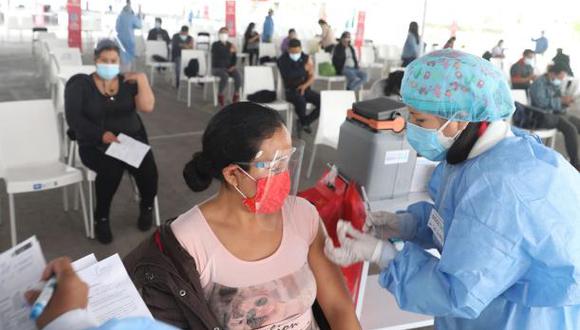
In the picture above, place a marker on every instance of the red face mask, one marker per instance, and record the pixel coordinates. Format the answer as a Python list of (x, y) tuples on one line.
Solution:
[(271, 193)]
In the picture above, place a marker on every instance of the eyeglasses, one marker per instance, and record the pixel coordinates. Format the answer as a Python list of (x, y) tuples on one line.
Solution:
[(277, 165)]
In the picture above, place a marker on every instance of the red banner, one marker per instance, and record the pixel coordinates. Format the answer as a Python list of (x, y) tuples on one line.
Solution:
[(360, 30), (74, 24), (231, 17)]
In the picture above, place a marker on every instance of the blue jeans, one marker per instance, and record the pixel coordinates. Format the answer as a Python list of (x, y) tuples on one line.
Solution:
[(355, 78)]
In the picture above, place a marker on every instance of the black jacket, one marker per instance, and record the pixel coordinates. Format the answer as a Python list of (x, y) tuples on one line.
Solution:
[(221, 55), (339, 57), (155, 33), (166, 276)]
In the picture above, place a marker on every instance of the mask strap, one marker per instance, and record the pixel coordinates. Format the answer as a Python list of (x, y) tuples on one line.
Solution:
[(249, 176), (440, 130)]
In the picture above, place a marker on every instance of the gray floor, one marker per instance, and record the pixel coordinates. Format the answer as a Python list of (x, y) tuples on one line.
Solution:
[(175, 134)]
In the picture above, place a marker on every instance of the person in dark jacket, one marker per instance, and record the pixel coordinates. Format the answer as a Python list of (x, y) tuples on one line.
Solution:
[(223, 64), (563, 60), (345, 62), (181, 40), (98, 108), (199, 268), (297, 72), (158, 33)]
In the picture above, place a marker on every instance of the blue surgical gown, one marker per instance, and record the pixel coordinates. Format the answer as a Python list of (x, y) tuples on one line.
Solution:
[(510, 257), (126, 23)]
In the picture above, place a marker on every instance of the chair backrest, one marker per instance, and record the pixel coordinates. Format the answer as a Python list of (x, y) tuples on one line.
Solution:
[(67, 56), (189, 54), (367, 55), (203, 41), (519, 95), (257, 78), (378, 88), (28, 134), (333, 108), (53, 69), (48, 45), (155, 47), (58, 96), (45, 35), (267, 49)]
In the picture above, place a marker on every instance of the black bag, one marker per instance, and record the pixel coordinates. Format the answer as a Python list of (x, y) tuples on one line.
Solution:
[(267, 59), (531, 118), (263, 96), (192, 69), (158, 58)]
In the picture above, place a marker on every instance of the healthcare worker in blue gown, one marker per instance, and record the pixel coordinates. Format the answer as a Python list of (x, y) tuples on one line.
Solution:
[(505, 217), (127, 21)]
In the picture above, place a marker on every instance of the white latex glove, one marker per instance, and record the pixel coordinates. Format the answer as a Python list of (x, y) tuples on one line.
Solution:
[(382, 225), (356, 246)]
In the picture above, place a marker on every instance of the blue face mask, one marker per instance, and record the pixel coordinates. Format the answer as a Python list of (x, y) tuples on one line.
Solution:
[(295, 56), (556, 82), (107, 71), (429, 143)]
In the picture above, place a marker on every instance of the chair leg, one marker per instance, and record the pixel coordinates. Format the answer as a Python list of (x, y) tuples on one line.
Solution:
[(215, 96), (84, 209), (188, 94), (289, 119), (312, 156), (157, 216), (12, 220), (65, 198), (151, 76), (76, 199), (91, 211)]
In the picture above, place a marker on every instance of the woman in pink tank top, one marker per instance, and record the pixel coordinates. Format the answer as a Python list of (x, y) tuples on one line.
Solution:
[(258, 252)]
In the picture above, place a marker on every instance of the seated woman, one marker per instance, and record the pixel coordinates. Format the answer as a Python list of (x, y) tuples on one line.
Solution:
[(99, 107), (250, 257)]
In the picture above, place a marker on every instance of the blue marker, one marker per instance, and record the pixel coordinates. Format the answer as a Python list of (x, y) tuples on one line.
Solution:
[(43, 298)]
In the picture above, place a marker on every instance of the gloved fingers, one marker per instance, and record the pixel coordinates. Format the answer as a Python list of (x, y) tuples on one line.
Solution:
[(341, 256)]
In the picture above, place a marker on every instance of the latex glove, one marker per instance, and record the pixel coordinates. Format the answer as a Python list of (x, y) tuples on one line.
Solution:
[(385, 225), (356, 246)]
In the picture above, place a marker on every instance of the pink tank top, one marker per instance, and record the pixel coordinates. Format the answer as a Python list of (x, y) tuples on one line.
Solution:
[(273, 293)]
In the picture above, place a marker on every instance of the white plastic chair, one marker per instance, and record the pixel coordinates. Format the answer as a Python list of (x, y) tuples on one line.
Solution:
[(334, 106), (257, 78), (204, 76), (267, 49), (29, 154), (67, 56), (368, 58), (90, 176), (157, 47), (323, 57), (519, 95)]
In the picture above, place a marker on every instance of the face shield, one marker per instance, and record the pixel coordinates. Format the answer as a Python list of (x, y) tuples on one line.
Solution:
[(272, 184)]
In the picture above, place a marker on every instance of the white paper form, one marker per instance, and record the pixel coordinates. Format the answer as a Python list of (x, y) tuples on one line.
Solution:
[(20, 270), (111, 291), (128, 150), (84, 262)]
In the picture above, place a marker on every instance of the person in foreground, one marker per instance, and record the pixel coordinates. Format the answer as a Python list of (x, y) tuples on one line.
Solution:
[(67, 307), (251, 256), (505, 212)]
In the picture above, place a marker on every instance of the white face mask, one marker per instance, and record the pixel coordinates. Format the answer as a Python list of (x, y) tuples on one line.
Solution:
[(158, 25), (295, 56), (223, 37), (529, 61), (557, 82)]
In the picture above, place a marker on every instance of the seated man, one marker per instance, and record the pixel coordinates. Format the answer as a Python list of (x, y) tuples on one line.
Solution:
[(297, 72), (157, 33), (291, 35), (345, 62), (545, 94), (181, 40), (223, 63), (522, 72)]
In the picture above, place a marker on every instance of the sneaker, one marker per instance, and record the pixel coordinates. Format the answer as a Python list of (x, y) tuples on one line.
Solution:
[(103, 231), (221, 100), (145, 219), (236, 98)]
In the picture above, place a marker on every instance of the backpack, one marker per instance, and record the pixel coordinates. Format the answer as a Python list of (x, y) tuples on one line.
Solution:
[(263, 96), (531, 118), (192, 69), (158, 58), (326, 69)]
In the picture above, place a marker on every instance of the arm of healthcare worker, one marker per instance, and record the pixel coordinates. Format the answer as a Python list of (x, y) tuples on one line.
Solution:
[(67, 307), (332, 294), (480, 260)]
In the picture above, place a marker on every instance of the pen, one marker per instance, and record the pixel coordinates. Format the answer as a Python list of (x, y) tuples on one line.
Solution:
[(43, 298)]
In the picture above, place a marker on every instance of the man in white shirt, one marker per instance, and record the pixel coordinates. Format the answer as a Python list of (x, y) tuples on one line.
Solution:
[(67, 307)]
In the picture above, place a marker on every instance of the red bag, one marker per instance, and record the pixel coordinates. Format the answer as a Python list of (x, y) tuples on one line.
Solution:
[(334, 202)]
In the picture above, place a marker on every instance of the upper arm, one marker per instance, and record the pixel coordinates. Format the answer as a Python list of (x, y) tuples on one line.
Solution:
[(332, 293), (309, 66)]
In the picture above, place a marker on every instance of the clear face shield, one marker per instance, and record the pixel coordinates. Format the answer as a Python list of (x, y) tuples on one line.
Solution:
[(271, 185)]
